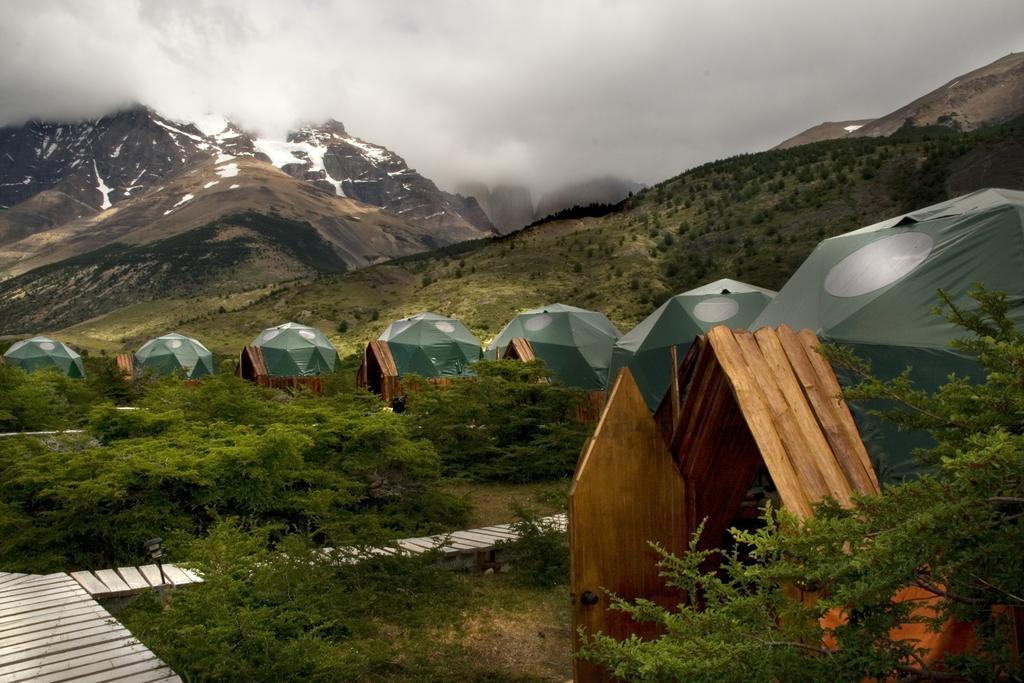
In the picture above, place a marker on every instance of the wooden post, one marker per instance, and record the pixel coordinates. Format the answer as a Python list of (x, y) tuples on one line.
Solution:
[(626, 493), (674, 388)]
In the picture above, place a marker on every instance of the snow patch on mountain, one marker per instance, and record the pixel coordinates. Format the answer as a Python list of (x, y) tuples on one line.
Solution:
[(375, 155), (102, 187), (177, 131), (211, 125), (228, 171), (283, 153)]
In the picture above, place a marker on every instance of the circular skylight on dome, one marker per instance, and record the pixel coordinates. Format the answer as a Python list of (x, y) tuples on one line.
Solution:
[(715, 309), (309, 335), (878, 264), (270, 334), (445, 327), (47, 346), (174, 343), (538, 322)]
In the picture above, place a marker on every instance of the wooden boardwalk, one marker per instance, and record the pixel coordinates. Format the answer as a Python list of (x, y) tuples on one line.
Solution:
[(470, 548), (467, 549), (116, 583), (52, 630)]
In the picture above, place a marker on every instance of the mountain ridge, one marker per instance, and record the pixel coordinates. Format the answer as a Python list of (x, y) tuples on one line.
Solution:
[(103, 163), (989, 95)]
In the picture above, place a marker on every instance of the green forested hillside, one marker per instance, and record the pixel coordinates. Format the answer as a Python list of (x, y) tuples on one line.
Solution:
[(753, 217)]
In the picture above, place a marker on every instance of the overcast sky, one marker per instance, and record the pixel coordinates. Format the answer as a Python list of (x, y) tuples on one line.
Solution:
[(531, 91)]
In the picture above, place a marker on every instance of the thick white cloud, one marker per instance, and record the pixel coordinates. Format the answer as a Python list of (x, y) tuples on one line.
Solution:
[(533, 91)]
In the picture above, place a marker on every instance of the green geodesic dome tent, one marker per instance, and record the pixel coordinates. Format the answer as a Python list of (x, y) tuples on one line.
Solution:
[(432, 345), (173, 353), (873, 290), (40, 353), (646, 349), (294, 350), (575, 344)]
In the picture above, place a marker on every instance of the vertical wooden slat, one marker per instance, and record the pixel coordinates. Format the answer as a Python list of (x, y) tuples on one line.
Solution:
[(842, 436), (819, 451), (851, 445), (762, 426)]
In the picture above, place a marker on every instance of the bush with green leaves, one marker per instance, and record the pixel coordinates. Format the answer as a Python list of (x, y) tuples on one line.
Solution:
[(49, 399), (339, 469), (43, 400), (508, 423), (539, 556), (291, 612), (956, 534)]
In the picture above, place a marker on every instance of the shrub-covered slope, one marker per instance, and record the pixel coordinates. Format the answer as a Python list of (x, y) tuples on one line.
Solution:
[(752, 217)]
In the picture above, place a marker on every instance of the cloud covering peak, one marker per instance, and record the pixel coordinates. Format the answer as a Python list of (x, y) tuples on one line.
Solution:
[(527, 91)]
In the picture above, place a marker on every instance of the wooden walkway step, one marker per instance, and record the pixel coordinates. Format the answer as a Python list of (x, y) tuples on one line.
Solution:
[(114, 583)]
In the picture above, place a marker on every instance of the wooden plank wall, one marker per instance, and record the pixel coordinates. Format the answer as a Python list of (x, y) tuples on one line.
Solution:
[(590, 406), (126, 364), (738, 403), (626, 492), (519, 349), (378, 372)]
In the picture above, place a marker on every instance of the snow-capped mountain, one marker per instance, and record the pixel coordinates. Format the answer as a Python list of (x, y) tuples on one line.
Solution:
[(52, 172), (328, 156), (134, 207)]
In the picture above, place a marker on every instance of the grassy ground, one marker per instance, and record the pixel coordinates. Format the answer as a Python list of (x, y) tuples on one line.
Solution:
[(517, 631), (495, 503)]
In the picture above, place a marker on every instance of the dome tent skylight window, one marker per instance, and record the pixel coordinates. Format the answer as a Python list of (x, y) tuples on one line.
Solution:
[(716, 310), (538, 322), (878, 264)]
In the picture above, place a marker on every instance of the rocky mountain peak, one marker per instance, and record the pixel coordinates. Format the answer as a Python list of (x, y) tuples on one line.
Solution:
[(88, 167)]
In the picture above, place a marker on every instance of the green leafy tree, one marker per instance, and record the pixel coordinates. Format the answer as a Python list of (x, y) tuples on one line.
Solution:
[(954, 534), (338, 469), (290, 612), (44, 400), (509, 423)]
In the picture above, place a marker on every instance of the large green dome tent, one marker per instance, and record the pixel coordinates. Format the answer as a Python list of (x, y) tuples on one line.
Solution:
[(40, 353), (575, 344), (431, 345), (294, 350), (175, 353), (646, 349), (874, 289)]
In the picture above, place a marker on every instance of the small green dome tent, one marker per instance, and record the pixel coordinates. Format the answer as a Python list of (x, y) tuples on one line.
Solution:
[(431, 345), (294, 350), (874, 289), (40, 353), (175, 353), (646, 349), (575, 344)]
